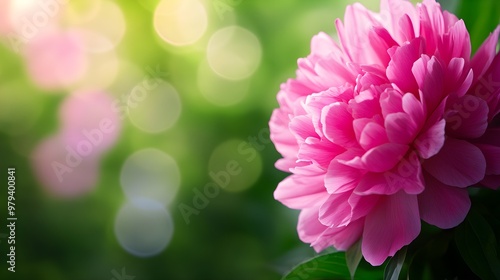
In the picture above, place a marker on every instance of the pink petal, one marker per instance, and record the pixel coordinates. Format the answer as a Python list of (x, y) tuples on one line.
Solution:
[(298, 192), (323, 45), (283, 140), (406, 29), (340, 177), (317, 101), (458, 164), (485, 55), (380, 42), (337, 124), (335, 212), (341, 209), (406, 176), (285, 164), (320, 152), (308, 227), (492, 155), (399, 70), (449, 19), (391, 101), (302, 128), (342, 238), (353, 34), (491, 137), (471, 118), (429, 75), (491, 181), (442, 205), (432, 25), (392, 11), (400, 128), (384, 157), (457, 81), (307, 169), (372, 136), (414, 108), (392, 224), (455, 43), (430, 142), (367, 108)]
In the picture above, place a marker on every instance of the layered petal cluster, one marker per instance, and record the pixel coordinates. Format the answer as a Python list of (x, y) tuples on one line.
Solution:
[(388, 127)]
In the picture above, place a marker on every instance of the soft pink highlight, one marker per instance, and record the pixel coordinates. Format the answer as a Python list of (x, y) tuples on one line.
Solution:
[(56, 59)]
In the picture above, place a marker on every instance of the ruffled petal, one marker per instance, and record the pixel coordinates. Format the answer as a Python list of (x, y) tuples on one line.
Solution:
[(458, 164), (298, 192), (392, 224), (442, 205)]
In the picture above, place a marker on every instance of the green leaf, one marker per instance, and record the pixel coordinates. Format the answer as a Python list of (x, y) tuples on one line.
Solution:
[(353, 256), (393, 268), (476, 243), (479, 26), (332, 266)]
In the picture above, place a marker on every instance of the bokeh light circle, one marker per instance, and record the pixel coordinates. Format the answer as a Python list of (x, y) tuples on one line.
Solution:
[(180, 22), (62, 170), (150, 174), (234, 52), (79, 12), (218, 90), (105, 29), (102, 71), (61, 52), (90, 117), (154, 105), (144, 230), (235, 165)]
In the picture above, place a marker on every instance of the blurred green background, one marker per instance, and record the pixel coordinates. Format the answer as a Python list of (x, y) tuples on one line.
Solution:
[(221, 96)]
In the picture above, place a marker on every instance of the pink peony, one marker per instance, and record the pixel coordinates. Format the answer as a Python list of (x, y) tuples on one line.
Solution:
[(388, 127)]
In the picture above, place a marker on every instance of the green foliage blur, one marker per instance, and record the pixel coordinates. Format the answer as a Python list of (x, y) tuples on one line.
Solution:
[(238, 235)]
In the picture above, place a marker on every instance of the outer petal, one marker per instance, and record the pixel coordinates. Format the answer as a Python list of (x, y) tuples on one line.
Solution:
[(298, 192), (492, 156), (392, 11), (308, 227), (302, 128), (458, 164), (470, 119), (484, 55), (342, 238), (320, 152), (393, 223), (491, 181), (335, 211), (442, 205), (456, 43), (283, 140)]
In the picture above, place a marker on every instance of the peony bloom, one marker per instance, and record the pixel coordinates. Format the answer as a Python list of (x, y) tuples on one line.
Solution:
[(388, 127)]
